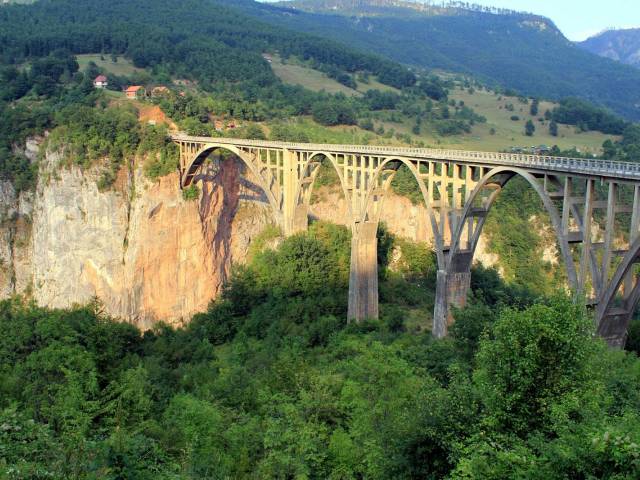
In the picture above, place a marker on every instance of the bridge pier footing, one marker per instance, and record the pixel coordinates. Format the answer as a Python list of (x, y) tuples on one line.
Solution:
[(451, 290), (297, 221), (363, 277), (613, 327)]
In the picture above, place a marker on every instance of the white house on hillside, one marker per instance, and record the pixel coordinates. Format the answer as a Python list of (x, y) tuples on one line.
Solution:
[(100, 82)]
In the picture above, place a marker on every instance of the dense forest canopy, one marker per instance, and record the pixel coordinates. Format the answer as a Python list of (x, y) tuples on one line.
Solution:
[(271, 382), (201, 39)]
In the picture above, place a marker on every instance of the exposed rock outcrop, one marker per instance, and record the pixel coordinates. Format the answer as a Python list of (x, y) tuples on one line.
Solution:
[(140, 248)]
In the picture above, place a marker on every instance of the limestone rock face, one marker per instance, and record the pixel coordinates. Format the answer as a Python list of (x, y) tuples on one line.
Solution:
[(15, 240), (400, 216), (140, 248)]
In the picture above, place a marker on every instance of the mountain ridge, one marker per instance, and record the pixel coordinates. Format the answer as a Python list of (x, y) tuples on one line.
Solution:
[(514, 51), (420, 6), (622, 45)]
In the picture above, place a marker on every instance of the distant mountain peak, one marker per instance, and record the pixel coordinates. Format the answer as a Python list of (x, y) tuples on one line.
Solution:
[(622, 45)]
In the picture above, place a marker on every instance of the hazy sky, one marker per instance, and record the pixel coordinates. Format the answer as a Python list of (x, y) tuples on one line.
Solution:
[(578, 19)]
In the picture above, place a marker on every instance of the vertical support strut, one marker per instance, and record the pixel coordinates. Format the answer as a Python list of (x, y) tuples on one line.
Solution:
[(608, 239), (363, 278), (634, 233), (586, 237)]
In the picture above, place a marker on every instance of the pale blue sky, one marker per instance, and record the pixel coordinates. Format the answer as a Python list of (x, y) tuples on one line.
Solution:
[(578, 19)]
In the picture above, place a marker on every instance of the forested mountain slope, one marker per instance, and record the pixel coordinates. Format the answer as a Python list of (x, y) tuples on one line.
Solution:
[(520, 51), (620, 45), (193, 38)]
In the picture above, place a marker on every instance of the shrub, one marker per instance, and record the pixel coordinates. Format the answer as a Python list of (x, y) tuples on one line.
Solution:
[(191, 193)]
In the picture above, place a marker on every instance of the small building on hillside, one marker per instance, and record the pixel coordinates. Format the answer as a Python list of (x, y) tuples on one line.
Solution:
[(134, 92), (100, 82)]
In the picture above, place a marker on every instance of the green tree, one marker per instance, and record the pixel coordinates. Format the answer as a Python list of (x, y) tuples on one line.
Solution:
[(254, 131), (529, 128), (553, 128), (532, 361)]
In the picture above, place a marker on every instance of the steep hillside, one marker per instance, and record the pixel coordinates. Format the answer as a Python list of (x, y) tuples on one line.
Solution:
[(620, 45), (199, 39), (520, 51)]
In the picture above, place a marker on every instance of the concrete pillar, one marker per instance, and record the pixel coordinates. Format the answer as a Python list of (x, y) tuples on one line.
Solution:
[(294, 216), (452, 289), (363, 277), (613, 327), (441, 308), (300, 220)]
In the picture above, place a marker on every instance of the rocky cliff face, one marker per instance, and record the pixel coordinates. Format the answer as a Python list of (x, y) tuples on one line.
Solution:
[(140, 248)]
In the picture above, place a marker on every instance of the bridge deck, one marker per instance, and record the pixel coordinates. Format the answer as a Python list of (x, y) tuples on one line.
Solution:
[(575, 166)]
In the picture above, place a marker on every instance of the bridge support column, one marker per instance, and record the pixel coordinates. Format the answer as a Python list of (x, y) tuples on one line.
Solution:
[(363, 277), (452, 289), (613, 327), (294, 216)]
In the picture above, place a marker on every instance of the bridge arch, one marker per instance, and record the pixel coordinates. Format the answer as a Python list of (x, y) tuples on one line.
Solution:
[(500, 176), (455, 265), (309, 172), (377, 181), (201, 155), (614, 311)]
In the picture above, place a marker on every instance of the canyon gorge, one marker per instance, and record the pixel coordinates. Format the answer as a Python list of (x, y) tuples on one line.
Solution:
[(139, 248)]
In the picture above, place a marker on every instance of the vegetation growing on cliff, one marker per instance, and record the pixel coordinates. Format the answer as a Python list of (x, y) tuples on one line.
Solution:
[(271, 382), (87, 135)]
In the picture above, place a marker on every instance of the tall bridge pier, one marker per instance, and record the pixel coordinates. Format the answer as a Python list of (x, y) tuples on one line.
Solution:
[(593, 206)]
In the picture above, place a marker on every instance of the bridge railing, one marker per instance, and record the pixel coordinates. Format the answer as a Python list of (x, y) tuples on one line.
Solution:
[(588, 166)]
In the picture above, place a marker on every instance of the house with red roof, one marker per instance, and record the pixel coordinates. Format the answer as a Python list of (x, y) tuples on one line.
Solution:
[(100, 82), (134, 92)]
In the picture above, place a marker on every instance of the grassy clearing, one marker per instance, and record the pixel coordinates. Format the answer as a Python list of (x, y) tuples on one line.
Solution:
[(121, 67), (510, 133), (375, 85), (342, 134), (294, 73), (115, 95)]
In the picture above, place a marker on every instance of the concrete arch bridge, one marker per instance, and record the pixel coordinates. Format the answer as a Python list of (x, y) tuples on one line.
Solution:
[(593, 206)]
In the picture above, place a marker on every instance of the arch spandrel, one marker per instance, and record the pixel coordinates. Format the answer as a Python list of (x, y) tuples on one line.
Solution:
[(493, 177), (377, 182), (247, 158), (620, 299), (308, 175)]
